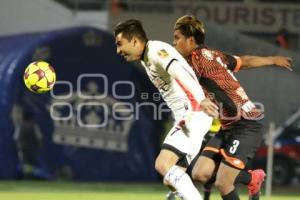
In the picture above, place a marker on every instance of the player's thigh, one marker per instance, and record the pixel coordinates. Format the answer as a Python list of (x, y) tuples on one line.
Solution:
[(203, 169), (165, 160), (209, 159), (226, 176)]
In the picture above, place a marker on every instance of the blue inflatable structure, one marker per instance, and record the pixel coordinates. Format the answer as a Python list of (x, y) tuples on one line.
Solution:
[(100, 122)]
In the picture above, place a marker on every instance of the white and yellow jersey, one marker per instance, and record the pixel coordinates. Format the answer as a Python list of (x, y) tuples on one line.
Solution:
[(173, 77)]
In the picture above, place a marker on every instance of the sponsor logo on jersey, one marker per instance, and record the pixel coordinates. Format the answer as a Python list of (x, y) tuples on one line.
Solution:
[(207, 54), (163, 53)]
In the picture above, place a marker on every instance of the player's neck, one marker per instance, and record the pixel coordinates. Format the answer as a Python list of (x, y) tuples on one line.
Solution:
[(200, 46), (144, 47)]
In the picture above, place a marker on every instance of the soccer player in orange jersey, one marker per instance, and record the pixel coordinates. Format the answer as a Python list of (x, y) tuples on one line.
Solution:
[(241, 134)]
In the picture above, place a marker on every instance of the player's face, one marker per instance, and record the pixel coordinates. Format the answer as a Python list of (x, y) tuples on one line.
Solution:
[(181, 43), (127, 49)]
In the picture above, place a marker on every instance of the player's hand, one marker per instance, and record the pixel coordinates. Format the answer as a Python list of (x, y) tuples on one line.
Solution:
[(209, 108), (282, 61)]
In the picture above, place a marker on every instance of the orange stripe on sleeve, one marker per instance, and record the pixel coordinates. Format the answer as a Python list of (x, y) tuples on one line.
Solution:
[(238, 63)]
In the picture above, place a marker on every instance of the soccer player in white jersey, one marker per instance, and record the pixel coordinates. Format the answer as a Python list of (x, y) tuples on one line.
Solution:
[(178, 85)]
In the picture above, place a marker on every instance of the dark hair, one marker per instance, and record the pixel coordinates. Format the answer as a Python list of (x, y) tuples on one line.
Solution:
[(190, 26), (131, 28)]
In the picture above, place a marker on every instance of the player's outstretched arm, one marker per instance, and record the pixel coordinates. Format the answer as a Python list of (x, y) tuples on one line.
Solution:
[(259, 61)]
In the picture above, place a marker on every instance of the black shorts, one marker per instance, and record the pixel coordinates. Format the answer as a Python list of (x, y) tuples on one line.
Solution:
[(236, 145)]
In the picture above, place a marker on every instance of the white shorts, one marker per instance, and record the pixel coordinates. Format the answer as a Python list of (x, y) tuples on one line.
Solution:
[(186, 141)]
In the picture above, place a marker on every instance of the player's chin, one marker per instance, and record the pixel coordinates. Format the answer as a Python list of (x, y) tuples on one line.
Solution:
[(127, 59), (130, 59)]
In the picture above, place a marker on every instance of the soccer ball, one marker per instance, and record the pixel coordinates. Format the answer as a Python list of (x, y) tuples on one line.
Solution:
[(39, 77)]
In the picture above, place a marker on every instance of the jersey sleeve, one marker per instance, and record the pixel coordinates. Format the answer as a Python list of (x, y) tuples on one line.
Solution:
[(188, 82), (233, 62)]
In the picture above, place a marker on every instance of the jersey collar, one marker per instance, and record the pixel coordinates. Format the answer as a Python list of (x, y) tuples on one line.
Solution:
[(194, 52)]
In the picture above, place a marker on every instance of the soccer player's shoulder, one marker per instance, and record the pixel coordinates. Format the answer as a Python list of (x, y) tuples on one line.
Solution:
[(206, 54), (161, 49), (159, 45)]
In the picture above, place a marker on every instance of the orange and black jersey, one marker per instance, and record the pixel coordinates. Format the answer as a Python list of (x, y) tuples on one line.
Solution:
[(214, 70)]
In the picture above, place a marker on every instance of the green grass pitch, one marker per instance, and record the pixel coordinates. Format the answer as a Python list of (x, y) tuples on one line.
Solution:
[(40, 190)]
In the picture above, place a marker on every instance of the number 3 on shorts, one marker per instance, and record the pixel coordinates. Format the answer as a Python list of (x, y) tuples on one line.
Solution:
[(234, 146)]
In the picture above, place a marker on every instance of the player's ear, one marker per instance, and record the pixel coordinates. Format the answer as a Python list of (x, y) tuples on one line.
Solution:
[(134, 40)]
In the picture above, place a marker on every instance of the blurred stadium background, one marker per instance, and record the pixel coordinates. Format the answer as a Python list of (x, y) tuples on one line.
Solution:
[(97, 134)]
